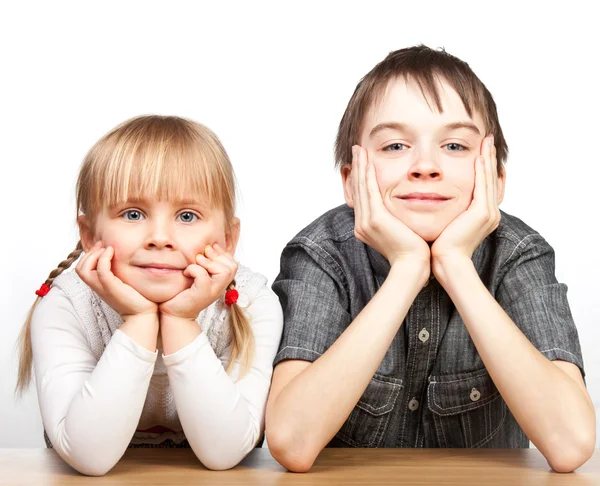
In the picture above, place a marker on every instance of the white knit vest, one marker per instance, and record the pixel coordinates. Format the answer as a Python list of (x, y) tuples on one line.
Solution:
[(101, 321)]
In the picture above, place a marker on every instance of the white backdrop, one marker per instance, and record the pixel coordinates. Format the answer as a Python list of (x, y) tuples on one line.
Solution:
[(272, 80)]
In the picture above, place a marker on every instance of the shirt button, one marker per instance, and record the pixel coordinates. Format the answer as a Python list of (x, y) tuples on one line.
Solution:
[(475, 395), (413, 404), (424, 335)]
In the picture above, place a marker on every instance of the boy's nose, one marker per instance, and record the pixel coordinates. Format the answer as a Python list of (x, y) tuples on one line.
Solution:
[(425, 168)]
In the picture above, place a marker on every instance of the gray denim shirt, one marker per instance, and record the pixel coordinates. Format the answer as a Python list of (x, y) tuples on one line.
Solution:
[(432, 388)]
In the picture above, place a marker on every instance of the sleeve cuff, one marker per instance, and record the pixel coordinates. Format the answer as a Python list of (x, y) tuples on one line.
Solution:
[(554, 354), (292, 352), (122, 339), (185, 352)]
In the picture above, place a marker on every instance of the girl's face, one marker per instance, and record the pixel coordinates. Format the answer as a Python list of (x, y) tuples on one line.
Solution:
[(155, 241)]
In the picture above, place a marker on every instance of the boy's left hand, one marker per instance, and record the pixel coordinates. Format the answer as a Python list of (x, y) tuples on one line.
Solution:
[(460, 238), (212, 274)]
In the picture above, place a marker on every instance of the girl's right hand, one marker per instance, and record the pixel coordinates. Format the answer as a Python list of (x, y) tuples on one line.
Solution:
[(375, 225), (95, 270)]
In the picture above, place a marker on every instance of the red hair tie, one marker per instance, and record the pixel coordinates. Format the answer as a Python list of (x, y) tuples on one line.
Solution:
[(43, 290), (231, 297)]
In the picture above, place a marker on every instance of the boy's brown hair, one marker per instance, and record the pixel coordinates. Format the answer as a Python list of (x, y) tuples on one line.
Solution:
[(424, 66)]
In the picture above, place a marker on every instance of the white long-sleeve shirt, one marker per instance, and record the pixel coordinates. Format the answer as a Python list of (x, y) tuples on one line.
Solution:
[(99, 391)]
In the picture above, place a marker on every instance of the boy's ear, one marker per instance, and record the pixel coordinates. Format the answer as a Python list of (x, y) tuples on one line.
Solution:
[(347, 182), (85, 233), (500, 186), (231, 239)]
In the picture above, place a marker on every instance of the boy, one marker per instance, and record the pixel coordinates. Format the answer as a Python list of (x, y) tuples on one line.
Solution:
[(419, 315)]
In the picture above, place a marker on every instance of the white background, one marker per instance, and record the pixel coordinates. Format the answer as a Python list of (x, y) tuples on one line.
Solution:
[(272, 80)]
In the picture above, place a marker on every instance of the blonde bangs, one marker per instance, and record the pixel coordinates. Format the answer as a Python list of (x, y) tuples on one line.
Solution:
[(165, 162)]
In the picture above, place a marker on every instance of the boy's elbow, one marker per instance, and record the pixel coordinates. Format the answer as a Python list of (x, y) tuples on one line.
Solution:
[(289, 452), (567, 458)]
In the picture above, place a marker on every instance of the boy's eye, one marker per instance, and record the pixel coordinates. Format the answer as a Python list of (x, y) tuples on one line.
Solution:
[(395, 147), (455, 147), (187, 217), (133, 215)]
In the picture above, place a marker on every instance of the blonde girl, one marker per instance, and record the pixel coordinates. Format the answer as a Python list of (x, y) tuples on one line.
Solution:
[(158, 338)]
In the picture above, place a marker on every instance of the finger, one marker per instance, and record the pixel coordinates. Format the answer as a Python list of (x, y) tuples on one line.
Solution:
[(105, 275), (86, 254), (221, 266), (495, 173), (86, 270), (372, 186), (209, 252), (219, 249), (355, 192), (363, 194), (224, 256), (490, 180), (195, 271), (480, 189)]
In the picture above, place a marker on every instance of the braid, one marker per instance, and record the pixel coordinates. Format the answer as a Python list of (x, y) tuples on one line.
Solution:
[(242, 347), (26, 353), (62, 266)]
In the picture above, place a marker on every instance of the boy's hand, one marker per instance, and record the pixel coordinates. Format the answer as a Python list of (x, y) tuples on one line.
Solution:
[(212, 274), (95, 270), (375, 225), (460, 238)]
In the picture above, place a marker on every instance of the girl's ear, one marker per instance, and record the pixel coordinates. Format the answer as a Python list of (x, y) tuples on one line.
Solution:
[(231, 239), (85, 233)]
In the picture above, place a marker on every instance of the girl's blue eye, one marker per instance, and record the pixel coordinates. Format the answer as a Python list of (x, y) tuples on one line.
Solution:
[(133, 215), (187, 217), (395, 147), (455, 147)]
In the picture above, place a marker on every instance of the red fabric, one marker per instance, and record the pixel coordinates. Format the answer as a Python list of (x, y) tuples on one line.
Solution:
[(231, 296), (43, 290)]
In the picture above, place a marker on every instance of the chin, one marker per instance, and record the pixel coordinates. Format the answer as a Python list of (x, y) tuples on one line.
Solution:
[(159, 295)]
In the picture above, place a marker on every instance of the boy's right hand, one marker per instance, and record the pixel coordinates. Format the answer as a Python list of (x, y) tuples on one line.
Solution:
[(375, 225), (95, 270)]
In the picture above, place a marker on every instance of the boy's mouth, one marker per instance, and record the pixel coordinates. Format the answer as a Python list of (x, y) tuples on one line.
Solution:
[(430, 197)]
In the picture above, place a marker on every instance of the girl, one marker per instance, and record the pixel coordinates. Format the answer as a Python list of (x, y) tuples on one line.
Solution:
[(151, 342)]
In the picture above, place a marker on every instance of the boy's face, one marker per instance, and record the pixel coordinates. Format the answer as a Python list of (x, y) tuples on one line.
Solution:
[(154, 242), (424, 160)]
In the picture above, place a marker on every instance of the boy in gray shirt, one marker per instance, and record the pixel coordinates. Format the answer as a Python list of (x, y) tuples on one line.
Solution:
[(419, 314)]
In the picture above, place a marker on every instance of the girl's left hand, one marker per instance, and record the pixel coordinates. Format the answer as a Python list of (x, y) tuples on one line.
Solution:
[(212, 274), (469, 229)]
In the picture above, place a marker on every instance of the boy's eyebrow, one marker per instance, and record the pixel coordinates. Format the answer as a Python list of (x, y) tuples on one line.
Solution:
[(401, 127), (467, 125)]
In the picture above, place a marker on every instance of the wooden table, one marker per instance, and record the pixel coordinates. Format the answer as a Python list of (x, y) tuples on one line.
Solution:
[(510, 467)]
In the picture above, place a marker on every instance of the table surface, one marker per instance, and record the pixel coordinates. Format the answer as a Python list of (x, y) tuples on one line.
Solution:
[(334, 466)]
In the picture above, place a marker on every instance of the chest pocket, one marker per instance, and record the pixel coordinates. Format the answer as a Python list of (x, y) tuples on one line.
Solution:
[(367, 423), (467, 409)]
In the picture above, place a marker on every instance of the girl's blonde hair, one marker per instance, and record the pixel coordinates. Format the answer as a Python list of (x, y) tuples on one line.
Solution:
[(152, 157)]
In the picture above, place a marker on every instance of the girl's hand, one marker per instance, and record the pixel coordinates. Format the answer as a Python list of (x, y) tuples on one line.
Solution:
[(375, 225), (212, 274), (460, 238), (95, 270)]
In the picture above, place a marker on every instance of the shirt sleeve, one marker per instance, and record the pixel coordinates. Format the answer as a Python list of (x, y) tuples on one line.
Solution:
[(537, 303), (90, 408), (223, 417), (311, 290)]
